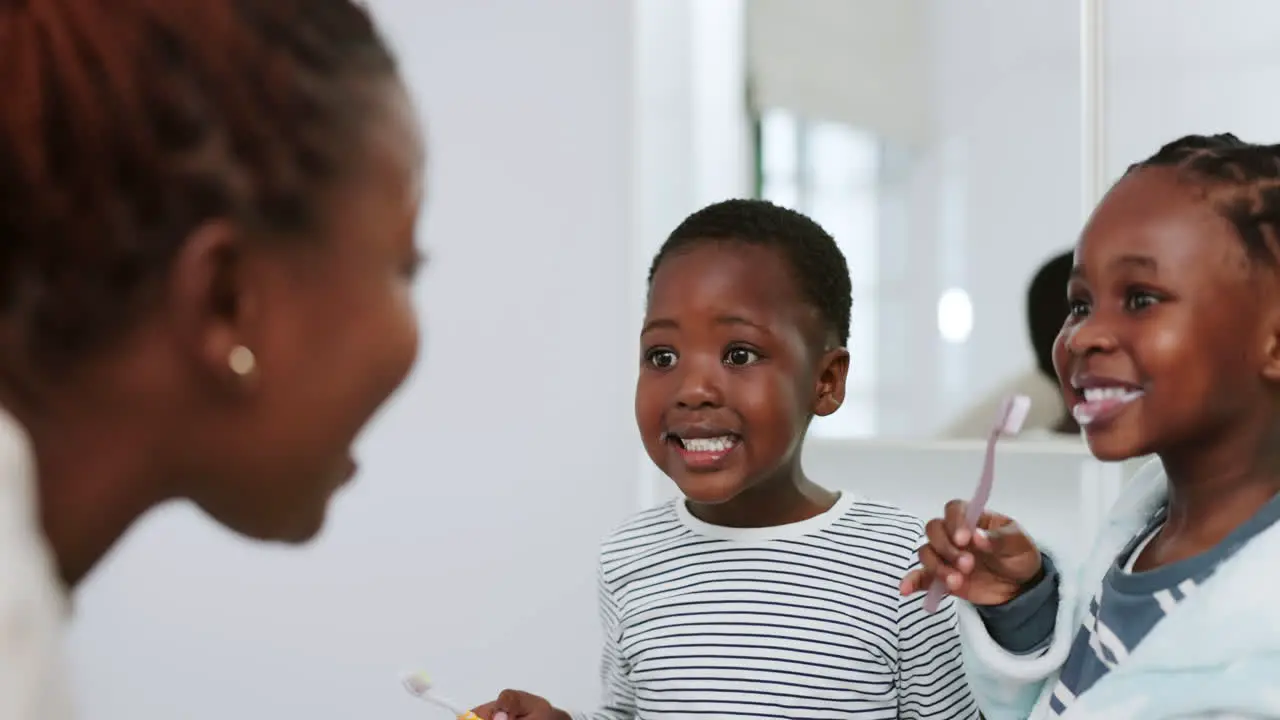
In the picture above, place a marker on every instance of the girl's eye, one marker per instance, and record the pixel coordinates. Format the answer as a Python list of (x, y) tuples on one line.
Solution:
[(741, 357), (1078, 308), (661, 359), (1139, 300)]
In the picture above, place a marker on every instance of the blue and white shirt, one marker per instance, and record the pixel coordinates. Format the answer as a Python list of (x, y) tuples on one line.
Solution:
[(1130, 603), (1216, 656)]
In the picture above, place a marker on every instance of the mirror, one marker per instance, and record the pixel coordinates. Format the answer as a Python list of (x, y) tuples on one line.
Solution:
[(946, 148)]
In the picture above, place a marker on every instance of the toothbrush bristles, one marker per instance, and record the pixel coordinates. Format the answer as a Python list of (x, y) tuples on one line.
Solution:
[(418, 683), (1015, 414)]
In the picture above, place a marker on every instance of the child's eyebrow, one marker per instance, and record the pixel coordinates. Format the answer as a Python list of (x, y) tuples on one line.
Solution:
[(668, 323), (659, 323), (739, 320), (1141, 262)]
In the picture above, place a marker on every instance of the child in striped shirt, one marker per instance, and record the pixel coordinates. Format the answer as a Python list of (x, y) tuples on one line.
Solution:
[(759, 593)]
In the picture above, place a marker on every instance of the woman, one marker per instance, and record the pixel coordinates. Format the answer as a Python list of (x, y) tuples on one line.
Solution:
[(207, 213)]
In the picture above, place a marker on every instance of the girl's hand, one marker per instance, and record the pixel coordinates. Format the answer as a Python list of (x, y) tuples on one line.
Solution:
[(990, 566)]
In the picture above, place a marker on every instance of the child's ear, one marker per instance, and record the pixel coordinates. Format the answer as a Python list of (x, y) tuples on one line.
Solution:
[(832, 373)]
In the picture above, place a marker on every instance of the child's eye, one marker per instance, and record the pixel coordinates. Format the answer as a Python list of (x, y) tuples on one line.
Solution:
[(739, 357), (661, 359), (1136, 300), (1078, 308)]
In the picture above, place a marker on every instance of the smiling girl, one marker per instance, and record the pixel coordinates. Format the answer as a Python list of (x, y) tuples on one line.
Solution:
[(1172, 348)]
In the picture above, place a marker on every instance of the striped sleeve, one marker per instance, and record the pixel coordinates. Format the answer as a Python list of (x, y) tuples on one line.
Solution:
[(931, 678), (618, 695)]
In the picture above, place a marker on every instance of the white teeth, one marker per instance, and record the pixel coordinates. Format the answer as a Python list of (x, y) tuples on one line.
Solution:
[(1082, 414), (1099, 394), (1086, 412), (716, 444)]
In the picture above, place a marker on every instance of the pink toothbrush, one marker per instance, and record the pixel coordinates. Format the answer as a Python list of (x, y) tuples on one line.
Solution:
[(1013, 412)]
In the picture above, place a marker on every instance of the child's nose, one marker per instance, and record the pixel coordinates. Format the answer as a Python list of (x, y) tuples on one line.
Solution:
[(1091, 335), (699, 388)]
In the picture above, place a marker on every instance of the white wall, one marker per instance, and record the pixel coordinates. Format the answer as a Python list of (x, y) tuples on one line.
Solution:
[(1182, 67), (860, 62)]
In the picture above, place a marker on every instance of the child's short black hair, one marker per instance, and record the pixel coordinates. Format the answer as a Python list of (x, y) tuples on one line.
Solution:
[(820, 270), (1047, 309)]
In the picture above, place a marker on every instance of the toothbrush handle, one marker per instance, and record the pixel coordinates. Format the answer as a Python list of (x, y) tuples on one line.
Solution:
[(934, 598), (976, 506), (468, 715), (973, 512)]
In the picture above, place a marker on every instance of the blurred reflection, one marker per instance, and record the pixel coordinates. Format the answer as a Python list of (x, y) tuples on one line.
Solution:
[(1049, 417)]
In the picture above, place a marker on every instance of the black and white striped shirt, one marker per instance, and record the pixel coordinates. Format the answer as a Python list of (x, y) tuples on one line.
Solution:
[(798, 621)]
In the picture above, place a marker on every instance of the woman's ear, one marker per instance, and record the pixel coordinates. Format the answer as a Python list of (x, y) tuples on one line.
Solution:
[(213, 303), (1271, 349), (832, 374)]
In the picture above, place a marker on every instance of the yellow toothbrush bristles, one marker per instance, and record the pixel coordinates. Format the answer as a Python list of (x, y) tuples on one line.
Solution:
[(418, 683)]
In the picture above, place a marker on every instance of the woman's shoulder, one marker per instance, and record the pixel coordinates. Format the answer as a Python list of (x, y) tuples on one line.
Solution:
[(27, 569), (31, 596)]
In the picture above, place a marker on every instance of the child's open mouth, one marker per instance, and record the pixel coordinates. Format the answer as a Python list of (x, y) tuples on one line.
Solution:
[(1098, 405), (705, 452)]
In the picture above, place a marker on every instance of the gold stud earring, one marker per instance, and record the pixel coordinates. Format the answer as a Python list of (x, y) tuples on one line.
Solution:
[(241, 361)]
